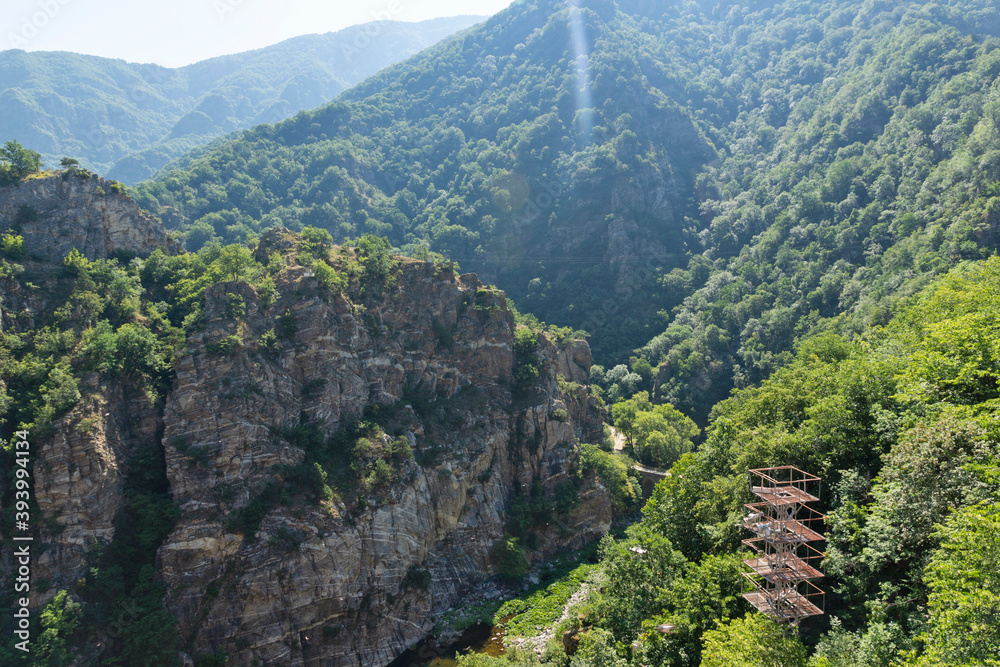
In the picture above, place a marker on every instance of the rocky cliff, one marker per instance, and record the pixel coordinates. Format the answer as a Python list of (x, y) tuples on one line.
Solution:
[(81, 466), (78, 210), (327, 584), (408, 396)]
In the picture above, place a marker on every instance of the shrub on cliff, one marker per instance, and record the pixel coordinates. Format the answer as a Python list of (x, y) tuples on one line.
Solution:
[(509, 558), (16, 162), (614, 475), (12, 246), (378, 265), (525, 358)]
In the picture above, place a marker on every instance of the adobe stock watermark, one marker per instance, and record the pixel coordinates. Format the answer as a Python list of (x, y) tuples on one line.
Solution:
[(224, 7), (369, 31), (649, 268), (33, 24), (22, 541), (545, 198)]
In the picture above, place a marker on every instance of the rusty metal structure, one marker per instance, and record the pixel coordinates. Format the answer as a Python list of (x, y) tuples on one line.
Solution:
[(780, 563)]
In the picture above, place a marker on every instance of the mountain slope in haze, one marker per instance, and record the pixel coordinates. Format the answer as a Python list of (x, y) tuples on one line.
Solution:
[(482, 149), (698, 185), (130, 119)]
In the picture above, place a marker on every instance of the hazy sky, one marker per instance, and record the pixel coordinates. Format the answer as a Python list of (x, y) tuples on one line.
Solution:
[(179, 32)]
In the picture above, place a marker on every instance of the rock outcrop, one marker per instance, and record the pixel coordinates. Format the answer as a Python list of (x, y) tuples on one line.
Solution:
[(442, 346), (80, 472), (352, 579), (78, 210)]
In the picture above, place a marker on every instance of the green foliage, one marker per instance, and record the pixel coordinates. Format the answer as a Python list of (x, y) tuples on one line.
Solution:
[(898, 457), (544, 606), (247, 519), (509, 558), (639, 570), (287, 326), (830, 161), (752, 641), (597, 649), (525, 358), (679, 510), (225, 346), (236, 306), (122, 586), (880, 645), (529, 512), (316, 241), (417, 577), (26, 213), (137, 351), (149, 118), (956, 354), (964, 581), (59, 392), (821, 158), (615, 475), (17, 162), (378, 265), (514, 657), (328, 277), (12, 246), (59, 620), (658, 435), (707, 594), (235, 263), (217, 659), (269, 341)]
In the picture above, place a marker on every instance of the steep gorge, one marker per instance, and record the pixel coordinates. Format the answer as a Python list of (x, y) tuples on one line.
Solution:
[(357, 575)]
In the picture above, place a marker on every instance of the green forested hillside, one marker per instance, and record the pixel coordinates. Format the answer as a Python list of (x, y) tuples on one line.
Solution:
[(777, 220), (129, 119), (901, 423), (726, 178)]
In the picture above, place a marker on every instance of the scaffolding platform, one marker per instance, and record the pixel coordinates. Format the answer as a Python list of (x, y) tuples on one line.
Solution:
[(791, 570), (785, 531), (783, 495), (783, 526), (793, 607)]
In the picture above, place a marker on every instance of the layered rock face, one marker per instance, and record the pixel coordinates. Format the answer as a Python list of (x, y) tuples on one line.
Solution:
[(349, 580), (79, 211), (79, 472), (439, 350)]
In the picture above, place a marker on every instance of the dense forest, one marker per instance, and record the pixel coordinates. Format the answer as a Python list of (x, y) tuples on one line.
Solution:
[(777, 223), (127, 120), (901, 422), (725, 179)]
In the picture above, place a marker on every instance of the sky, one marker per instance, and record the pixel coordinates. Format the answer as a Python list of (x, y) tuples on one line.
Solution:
[(179, 32)]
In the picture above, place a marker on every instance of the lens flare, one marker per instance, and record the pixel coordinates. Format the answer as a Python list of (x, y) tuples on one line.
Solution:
[(581, 57)]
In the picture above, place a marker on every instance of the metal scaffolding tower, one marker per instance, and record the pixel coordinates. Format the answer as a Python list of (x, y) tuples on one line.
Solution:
[(779, 566)]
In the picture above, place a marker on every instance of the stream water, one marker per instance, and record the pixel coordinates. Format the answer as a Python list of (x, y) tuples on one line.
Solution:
[(479, 638)]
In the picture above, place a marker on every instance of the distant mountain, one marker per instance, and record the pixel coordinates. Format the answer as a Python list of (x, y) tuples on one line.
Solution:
[(128, 119), (696, 184)]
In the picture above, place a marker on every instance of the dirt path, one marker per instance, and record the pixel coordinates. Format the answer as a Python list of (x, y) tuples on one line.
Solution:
[(538, 642), (618, 437)]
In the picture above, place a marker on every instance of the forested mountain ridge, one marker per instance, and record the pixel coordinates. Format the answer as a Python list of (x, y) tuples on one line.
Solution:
[(901, 424), (358, 391), (129, 119), (806, 192), (735, 172)]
